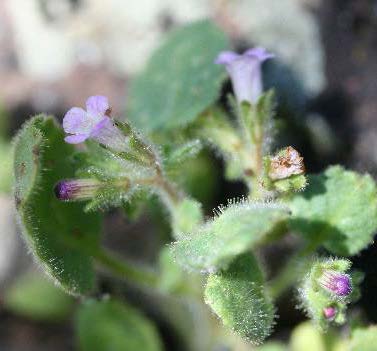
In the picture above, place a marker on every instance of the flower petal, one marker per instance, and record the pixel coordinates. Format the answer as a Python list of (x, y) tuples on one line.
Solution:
[(97, 105), (74, 120), (103, 124), (260, 53), (226, 57), (76, 139)]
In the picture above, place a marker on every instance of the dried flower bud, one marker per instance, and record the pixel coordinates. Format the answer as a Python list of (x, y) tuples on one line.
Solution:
[(285, 164), (336, 283), (76, 189)]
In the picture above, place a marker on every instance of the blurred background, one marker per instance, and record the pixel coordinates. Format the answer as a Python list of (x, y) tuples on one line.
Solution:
[(56, 53)]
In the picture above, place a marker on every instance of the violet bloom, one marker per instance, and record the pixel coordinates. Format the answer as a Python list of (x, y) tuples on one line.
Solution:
[(245, 72), (76, 189), (94, 123), (329, 312), (336, 283)]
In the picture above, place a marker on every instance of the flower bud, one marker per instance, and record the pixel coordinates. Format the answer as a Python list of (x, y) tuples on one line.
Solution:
[(76, 189), (336, 283), (329, 312), (325, 291)]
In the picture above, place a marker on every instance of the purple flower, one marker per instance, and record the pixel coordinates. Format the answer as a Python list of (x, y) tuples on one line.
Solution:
[(94, 123), (245, 72), (329, 312), (76, 189), (336, 283)]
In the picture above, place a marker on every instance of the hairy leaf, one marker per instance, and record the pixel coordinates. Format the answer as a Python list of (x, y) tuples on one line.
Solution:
[(237, 229), (59, 234), (180, 80), (339, 208), (237, 296)]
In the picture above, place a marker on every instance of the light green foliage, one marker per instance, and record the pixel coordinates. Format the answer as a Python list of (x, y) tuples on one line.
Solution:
[(180, 80), (176, 157), (6, 157), (237, 296), (187, 215), (35, 297), (235, 230), (215, 128), (314, 299), (364, 339), (306, 337), (338, 208), (171, 275), (60, 235), (257, 120), (112, 325), (272, 346), (173, 279)]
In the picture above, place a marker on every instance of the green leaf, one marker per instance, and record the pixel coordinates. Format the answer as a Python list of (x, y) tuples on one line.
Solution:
[(364, 339), (180, 80), (112, 325), (338, 208), (172, 278), (237, 229), (35, 297), (237, 296), (59, 234), (6, 167), (272, 346), (174, 158), (186, 216), (306, 337)]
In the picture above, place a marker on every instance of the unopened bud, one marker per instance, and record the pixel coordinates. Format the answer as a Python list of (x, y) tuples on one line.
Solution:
[(329, 313), (76, 189), (336, 283)]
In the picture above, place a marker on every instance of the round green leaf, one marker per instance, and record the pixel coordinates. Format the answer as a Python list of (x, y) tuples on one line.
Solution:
[(113, 326), (364, 339), (338, 208), (180, 80), (35, 297)]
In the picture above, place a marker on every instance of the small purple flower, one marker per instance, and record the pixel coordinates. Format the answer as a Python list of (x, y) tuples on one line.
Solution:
[(245, 72), (329, 312), (94, 123), (336, 283), (76, 189)]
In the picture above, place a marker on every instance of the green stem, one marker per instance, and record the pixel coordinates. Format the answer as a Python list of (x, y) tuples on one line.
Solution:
[(124, 269), (295, 267)]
